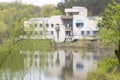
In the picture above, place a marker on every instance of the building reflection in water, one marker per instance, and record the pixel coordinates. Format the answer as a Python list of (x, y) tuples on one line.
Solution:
[(69, 65), (62, 64)]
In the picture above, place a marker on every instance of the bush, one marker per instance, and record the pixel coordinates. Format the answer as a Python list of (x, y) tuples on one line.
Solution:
[(108, 69)]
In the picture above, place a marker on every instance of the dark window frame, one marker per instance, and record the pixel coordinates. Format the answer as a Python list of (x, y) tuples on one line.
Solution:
[(82, 32), (40, 25), (79, 25), (52, 25)]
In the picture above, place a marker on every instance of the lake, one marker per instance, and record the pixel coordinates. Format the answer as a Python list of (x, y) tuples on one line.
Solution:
[(58, 64)]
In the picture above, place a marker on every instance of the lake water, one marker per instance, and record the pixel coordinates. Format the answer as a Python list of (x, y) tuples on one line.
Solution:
[(58, 64)]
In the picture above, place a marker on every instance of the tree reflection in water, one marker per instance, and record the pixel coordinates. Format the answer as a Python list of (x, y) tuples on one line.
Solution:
[(64, 64)]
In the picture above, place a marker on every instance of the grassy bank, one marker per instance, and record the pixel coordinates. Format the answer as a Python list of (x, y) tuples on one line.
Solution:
[(76, 44), (34, 44), (79, 44), (108, 69)]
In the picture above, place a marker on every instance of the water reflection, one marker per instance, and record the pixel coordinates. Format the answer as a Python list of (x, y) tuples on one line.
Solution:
[(61, 64)]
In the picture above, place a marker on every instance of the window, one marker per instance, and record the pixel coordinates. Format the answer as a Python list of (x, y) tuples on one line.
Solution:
[(82, 33), (40, 32), (68, 23), (95, 32), (52, 32), (57, 24), (47, 25), (40, 25), (88, 32), (68, 33), (52, 25), (49, 33), (35, 25), (79, 23)]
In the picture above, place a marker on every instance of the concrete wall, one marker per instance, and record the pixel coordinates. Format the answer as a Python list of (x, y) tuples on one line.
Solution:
[(55, 20), (88, 25)]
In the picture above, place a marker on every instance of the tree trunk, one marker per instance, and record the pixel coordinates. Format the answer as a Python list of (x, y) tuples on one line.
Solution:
[(117, 52)]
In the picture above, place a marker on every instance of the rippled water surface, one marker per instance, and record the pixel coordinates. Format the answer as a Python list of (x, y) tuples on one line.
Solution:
[(59, 64)]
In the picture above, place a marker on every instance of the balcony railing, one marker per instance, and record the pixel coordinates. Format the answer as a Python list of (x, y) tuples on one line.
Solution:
[(66, 17), (68, 28)]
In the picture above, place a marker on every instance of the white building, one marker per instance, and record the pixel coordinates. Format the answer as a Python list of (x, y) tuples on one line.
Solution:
[(74, 25)]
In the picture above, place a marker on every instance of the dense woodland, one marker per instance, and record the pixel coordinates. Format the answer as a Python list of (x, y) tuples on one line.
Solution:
[(95, 7), (13, 15)]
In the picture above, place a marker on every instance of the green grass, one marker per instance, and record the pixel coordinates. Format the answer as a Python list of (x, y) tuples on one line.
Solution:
[(34, 44)]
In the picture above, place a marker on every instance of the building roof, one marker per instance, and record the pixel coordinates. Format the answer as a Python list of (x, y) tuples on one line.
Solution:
[(39, 19), (75, 9)]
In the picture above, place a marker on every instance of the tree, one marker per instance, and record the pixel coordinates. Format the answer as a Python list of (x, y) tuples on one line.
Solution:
[(3, 29), (110, 32), (46, 10), (56, 12), (96, 7), (49, 10)]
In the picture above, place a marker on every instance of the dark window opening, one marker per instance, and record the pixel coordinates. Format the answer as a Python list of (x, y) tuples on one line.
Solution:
[(79, 24), (88, 32), (35, 25), (57, 24), (47, 25), (41, 33), (82, 32), (68, 33), (52, 25), (40, 25), (52, 32), (68, 23), (95, 32)]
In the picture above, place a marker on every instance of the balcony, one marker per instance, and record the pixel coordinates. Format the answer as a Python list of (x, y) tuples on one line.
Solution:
[(68, 28), (66, 17)]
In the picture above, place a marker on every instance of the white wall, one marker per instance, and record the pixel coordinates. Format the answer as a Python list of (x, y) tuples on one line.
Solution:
[(89, 25), (52, 20), (57, 20)]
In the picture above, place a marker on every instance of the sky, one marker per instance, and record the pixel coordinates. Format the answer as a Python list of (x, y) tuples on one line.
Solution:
[(36, 2)]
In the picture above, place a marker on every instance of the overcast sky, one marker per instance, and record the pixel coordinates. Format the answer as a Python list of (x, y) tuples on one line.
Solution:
[(36, 2)]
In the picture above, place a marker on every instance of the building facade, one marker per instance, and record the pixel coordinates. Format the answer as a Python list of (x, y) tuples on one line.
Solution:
[(75, 24)]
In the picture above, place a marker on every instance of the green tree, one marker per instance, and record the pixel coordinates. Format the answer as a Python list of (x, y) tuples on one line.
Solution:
[(46, 10), (49, 10), (3, 29), (110, 32), (56, 12), (96, 7)]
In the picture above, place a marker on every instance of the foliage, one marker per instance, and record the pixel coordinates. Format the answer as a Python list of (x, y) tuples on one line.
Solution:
[(95, 7), (56, 12), (34, 44), (13, 16), (49, 10), (12, 19), (110, 71), (111, 24)]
